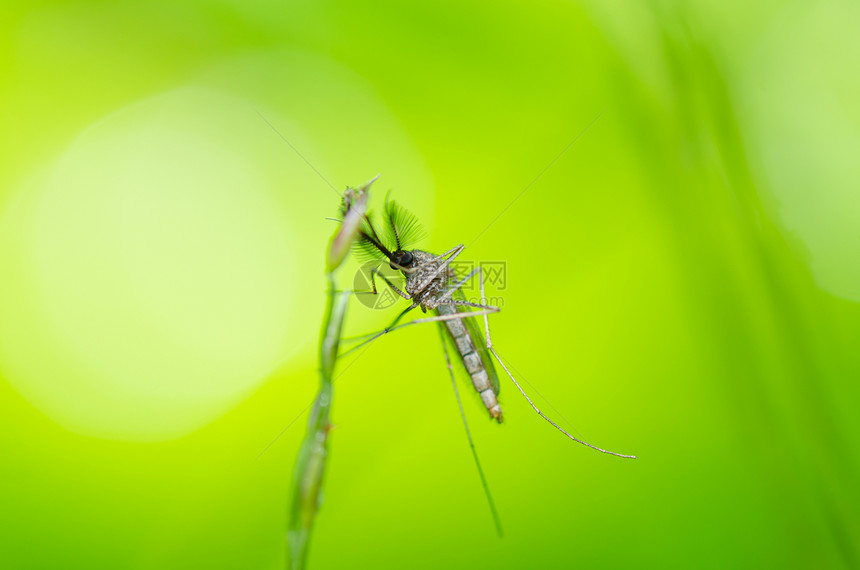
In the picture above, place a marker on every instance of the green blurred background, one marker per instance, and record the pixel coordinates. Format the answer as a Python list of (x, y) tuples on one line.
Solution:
[(682, 281)]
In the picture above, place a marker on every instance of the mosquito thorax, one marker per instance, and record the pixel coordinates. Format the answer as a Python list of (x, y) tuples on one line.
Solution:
[(400, 259)]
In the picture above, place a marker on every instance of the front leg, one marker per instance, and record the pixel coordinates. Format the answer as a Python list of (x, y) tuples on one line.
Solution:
[(376, 271)]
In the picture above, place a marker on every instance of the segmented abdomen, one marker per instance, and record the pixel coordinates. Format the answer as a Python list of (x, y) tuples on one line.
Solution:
[(484, 383)]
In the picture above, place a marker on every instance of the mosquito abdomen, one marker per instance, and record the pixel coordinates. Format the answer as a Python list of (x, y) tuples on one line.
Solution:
[(472, 361)]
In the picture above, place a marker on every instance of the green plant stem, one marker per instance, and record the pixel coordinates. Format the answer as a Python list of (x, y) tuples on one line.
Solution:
[(310, 463)]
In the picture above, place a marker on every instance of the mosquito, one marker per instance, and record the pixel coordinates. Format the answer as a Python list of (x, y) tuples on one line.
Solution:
[(431, 284)]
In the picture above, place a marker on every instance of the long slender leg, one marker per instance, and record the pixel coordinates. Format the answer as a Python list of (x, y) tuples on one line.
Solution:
[(490, 309), (376, 271), (496, 519), (373, 272), (485, 310), (526, 396), (390, 326), (376, 335), (444, 298), (484, 301), (437, 318)]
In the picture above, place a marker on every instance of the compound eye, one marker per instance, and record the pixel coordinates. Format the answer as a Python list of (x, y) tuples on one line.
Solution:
[(401, 258)]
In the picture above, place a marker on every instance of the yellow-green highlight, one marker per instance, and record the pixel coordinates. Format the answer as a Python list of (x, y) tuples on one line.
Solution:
[(682, 281)]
